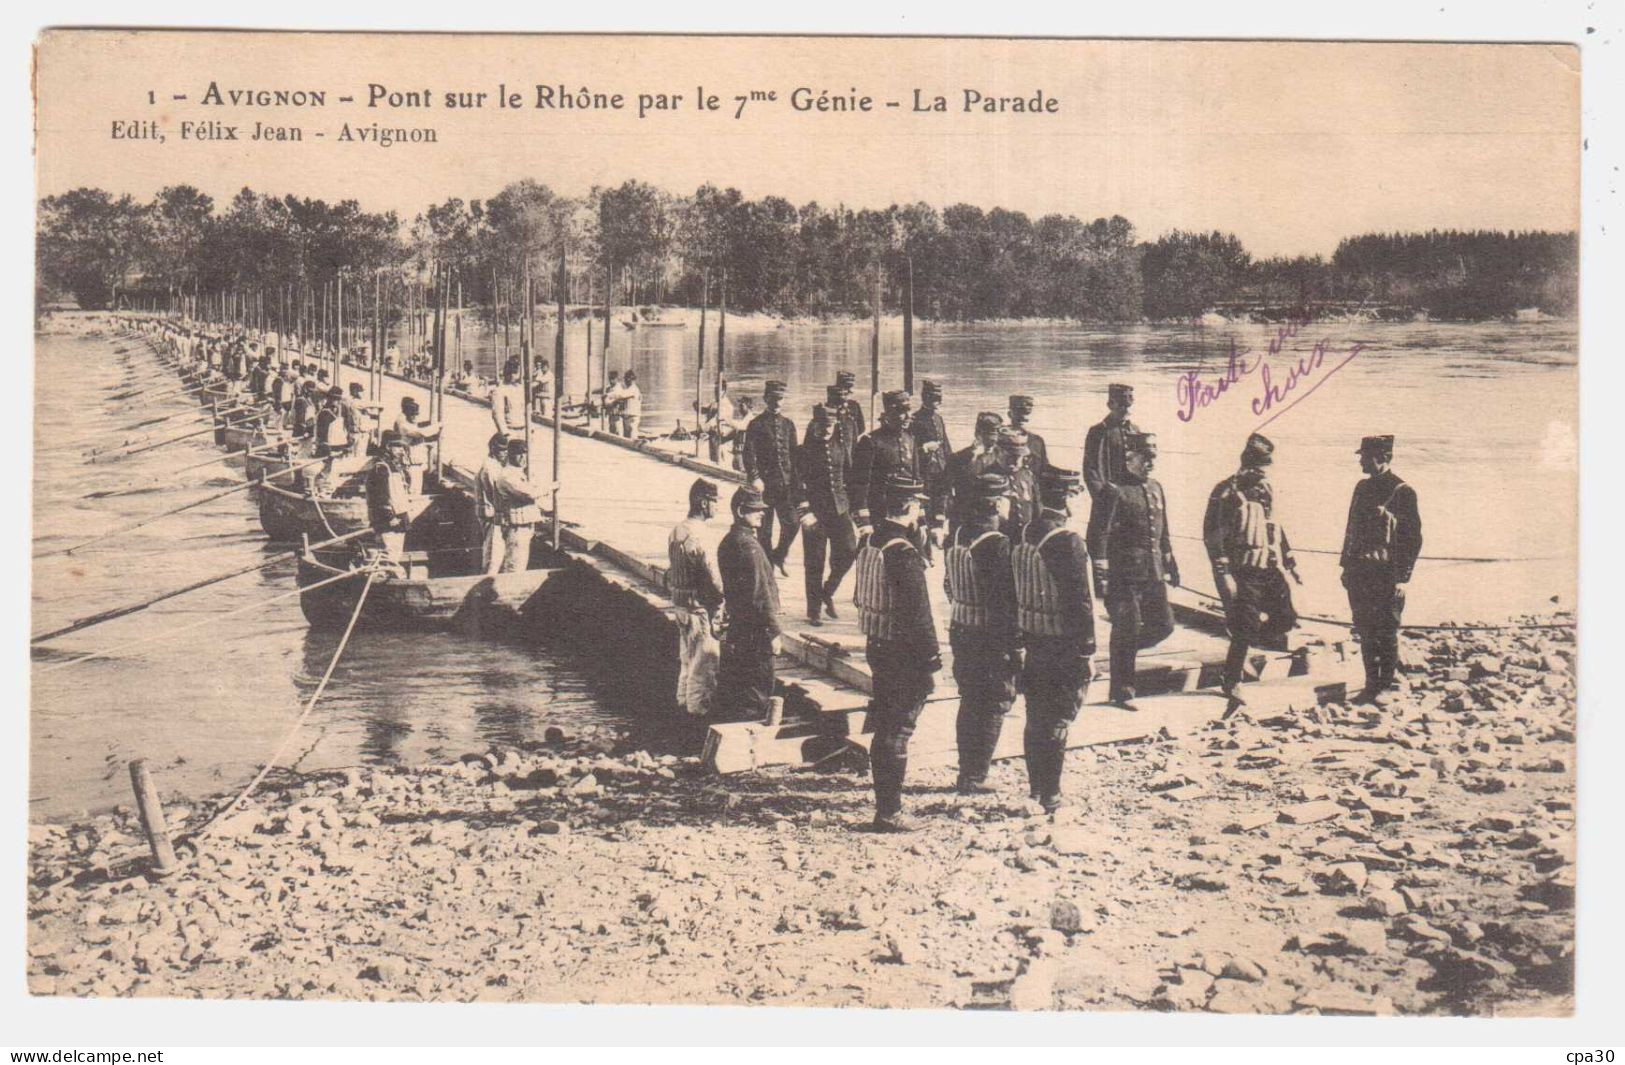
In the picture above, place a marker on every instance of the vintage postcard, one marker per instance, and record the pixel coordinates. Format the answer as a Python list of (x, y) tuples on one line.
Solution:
[(1039, 524)]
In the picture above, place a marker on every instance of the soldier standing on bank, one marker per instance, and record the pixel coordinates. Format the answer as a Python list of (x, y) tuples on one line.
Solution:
[(887, 452), (931, 442), (696, 595), (1133, 563), (982, 626), (1021, 409), (770, 463), (824, 511), (1056, 615), (1380, 548), (966, 466), (851, 411), (750, 594), (1016, 461), (1103, 449), (1251, 558), (894, 613)]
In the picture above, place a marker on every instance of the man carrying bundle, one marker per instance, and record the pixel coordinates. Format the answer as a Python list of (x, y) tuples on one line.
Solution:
[(1251, 558), (1381, 543), (894, 613), (982, 626), (750, 638), (1133, 561), (770, 464), (1056, 615), (696, 594)]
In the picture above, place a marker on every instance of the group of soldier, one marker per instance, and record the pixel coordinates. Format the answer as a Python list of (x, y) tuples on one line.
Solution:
[(1021, 582)]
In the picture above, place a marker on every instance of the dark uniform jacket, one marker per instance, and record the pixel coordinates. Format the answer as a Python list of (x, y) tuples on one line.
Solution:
[(964, 467), (1103, 455), (1067, 558), (1223, 525), (927, 427), (1037, 452), (991, 561), (822, 468), (749, 590), (905, 577), (879, 455), (1133, 540), (1383, 520), (855, 424), (769, 454)]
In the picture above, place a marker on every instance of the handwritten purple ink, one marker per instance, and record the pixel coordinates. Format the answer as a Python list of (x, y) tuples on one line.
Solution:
[(1193, 394)]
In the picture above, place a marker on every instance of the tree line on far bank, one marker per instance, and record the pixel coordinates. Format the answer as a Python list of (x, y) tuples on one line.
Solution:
[(648, 246)]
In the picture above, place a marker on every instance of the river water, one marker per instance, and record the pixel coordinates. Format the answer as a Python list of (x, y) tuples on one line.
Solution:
[(1485, 415)]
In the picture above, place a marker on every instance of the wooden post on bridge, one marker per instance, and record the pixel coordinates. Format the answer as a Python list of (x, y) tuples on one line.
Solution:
[(603, 370), (699, 373), (558, 388), (527, 355), (722, 343), (874, 355), (338, 322), (908, 325)]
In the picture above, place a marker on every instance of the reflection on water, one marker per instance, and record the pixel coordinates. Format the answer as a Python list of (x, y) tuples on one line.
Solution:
[(1485, 416)]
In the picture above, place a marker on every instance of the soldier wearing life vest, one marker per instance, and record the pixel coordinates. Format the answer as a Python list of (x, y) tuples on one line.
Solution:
[(1380, 547), (886, 453), (1251, 558), (824, 510), (769, 455), (488, 506), (1055, 613), (695, 587), (1103, 451), (332, 437), (1021, 409), (388, 496), (982, 626), (1134, 562), (750, 637), (518, 507), (894, 613), (1015, 459), (966, 466)]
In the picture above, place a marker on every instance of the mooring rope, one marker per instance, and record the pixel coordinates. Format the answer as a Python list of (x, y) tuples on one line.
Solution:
[(1420, 558), (1342, 624)]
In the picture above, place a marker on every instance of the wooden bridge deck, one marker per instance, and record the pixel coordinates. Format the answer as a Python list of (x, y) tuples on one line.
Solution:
[(619, 502)]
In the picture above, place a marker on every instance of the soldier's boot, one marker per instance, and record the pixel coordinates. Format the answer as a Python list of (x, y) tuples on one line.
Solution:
[(1235, 664), (1371, 659)]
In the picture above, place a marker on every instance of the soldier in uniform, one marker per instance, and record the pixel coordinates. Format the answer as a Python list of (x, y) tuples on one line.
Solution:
[(750, 638), (966, 466), (1132, 560), (488, 506), (852, 416), (1016, 461), (508, 402), (931, 443), (387, 496), (982, 625), (1021, 409), (1251, 557), (1380, 547), (887, 452), (519, 506), (696, 594), (770, 464), (894, 613), (824, 511), (1056, 616), (1103, 449), (416, 435)]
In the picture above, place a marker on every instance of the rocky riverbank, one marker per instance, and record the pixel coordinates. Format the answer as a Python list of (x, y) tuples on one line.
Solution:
[(1340, 860)]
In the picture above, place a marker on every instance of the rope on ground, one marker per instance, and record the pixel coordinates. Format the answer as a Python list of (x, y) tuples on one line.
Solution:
[(1420, 558), (1342, 624), (310, 704), (211, 619)]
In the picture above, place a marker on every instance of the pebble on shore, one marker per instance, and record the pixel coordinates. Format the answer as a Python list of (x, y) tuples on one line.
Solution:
[(1335, 860)]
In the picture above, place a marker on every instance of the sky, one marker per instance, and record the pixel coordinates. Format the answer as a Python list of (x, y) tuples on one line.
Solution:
[(1291, 146)]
